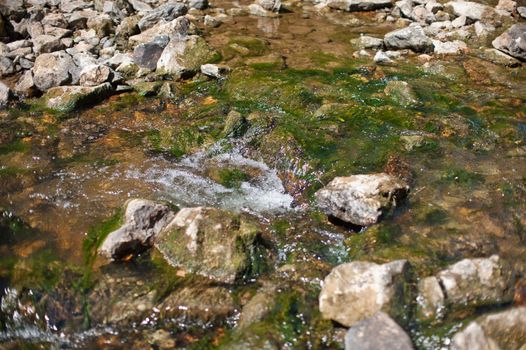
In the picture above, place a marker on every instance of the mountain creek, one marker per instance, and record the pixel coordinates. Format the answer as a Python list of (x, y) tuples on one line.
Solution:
[(262, 176)]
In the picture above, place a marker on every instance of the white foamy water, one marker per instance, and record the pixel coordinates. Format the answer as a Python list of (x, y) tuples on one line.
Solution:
[(186, 183)]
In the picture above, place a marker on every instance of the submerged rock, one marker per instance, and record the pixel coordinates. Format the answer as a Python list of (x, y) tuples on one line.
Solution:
[(412, 37), (401, 92), (430, 299), (513, 41), (204, 304), (211, 242), (361, 199), (69, 98), (143, 220), (503, 330), (355, 291), (378, 332)]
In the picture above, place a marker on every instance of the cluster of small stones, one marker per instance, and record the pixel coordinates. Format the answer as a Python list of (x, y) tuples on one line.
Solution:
[(431, 27), (45, 44)]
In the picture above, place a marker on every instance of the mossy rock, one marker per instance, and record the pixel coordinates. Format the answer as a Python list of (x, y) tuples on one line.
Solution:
[(68, 98), (214, 243)]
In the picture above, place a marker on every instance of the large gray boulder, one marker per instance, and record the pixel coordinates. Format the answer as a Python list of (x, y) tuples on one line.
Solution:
[(361, 199), (513, 41), (184, 56), (53, 69), (166, 12), (411, 37), (504, 330), (356, 291), (379, 332), (211, 242), (143, 221), (358, 5)]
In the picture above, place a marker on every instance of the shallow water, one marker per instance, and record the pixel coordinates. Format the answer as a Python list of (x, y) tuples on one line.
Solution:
[(463, 141)]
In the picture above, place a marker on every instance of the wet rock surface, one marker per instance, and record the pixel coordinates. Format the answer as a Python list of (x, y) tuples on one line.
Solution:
[(361, 199), (211, 242), (356, 291), (143, 221)]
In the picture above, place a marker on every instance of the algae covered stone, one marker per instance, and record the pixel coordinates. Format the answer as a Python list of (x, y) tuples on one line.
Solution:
[(361, 199), (68, 98), (211, 242), (355, 291)]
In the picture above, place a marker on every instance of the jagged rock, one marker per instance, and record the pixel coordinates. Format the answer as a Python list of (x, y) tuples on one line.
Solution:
[(52, 69), (101, 24), (177, 28), (184, 56), (381, 58), (521, 10), (412, 37), (483, 30), (5, 93), (46, 44), (54, 19), (128, 27), (513, 41), (422, 15), (143, 221), (358, 5), (367, 42), (401, 92), (69, 98), (379, 332), (503, 330), (361, 199), (449, 47), (214, 71), (26, 86), (147, 55), (210, 242), (6, 66), (472, 10), (355, 291), (94, 74), (166, 12)]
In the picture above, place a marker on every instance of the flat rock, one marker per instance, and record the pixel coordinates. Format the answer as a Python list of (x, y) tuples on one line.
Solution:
[(513, 41), (367, 42), (379, 332), (412, 37), (142, 222), (356, 291), (210, 242), (361, 199), (69, 98)]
